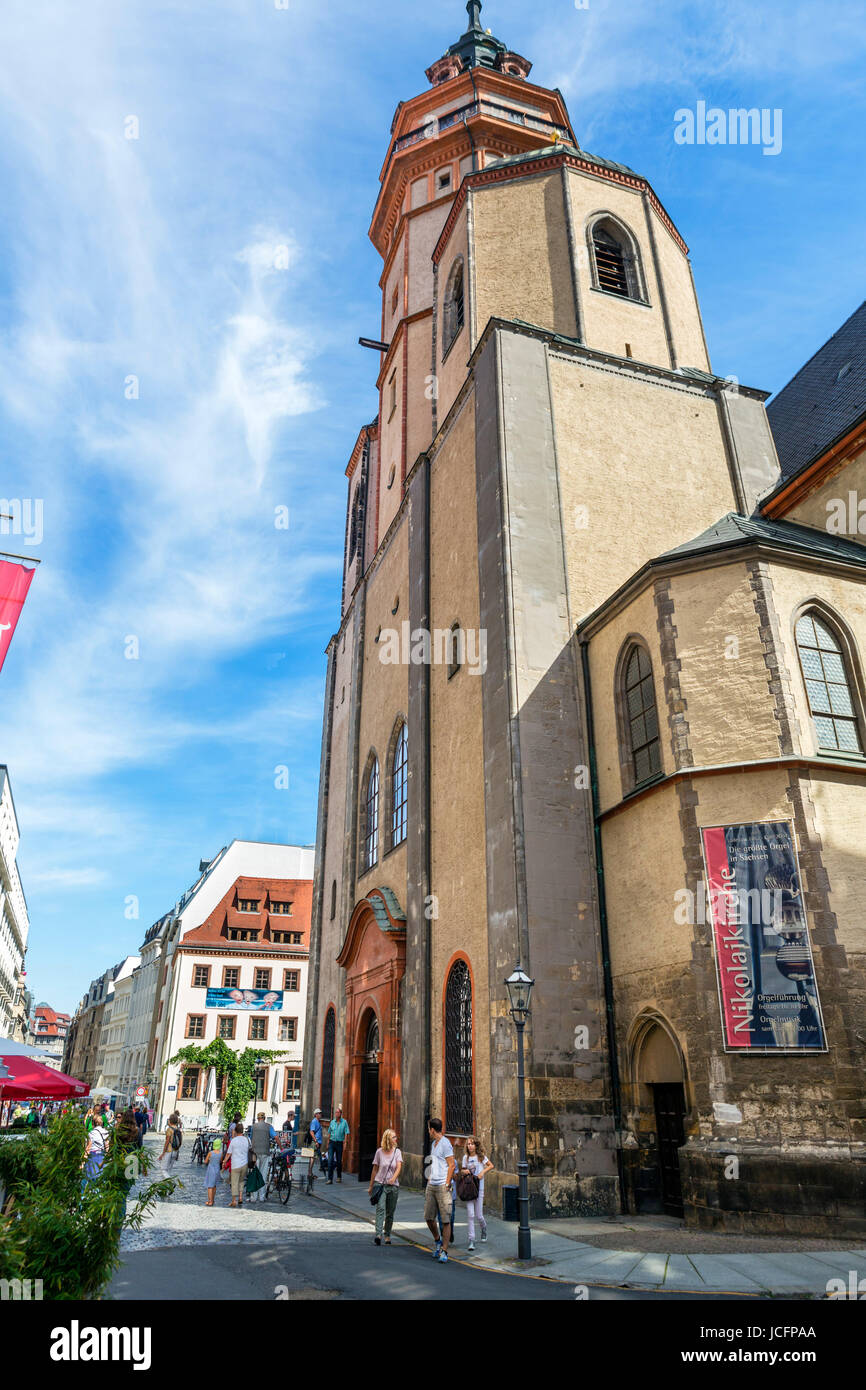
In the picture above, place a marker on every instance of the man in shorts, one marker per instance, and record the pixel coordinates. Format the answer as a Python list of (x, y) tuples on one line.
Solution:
[(437, 1200)]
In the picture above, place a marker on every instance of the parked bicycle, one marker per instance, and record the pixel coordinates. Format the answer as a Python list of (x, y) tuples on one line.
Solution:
[(280, 1174), (201, 1145)]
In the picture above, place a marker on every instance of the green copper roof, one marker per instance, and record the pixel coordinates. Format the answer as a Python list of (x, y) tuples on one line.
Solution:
[(569, 148), (734, 529)]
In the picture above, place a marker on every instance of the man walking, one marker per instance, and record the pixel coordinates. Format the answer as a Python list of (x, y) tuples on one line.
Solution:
[(437, 1199), (316, 1136), (261, 1134), (338, 1133)]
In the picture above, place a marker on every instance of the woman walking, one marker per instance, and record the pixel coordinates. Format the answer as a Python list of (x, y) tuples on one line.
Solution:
[(387, 1163), (171, 1148), (476, 1162), (97, 1143), (211, 1177), (239, 1158)]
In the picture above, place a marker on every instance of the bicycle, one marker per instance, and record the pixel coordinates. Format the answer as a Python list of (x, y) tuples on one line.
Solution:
[(203, 1140), (280, 1175)]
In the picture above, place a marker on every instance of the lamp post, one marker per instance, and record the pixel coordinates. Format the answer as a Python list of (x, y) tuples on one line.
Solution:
[(519, 988), (259, 1063)]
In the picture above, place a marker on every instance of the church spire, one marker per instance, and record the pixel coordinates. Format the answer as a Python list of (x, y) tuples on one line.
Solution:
[(477, 48), (474, 9)]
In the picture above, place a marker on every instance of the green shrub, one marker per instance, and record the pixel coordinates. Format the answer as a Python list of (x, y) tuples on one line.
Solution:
[(65, 1230)]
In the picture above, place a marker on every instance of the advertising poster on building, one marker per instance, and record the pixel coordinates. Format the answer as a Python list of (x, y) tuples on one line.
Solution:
[(767, 988), (256, 1000)]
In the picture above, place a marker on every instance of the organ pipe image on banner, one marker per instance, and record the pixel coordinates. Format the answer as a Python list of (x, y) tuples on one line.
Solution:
[(767, 988)]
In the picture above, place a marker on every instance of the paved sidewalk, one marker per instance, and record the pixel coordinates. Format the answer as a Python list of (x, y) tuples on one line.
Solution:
[(566, 1257)]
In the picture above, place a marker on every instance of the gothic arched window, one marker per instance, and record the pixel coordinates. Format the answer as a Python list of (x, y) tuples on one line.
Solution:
[(370, 827), (454, 310), (641, 716), (355, 526), (399, 787), (326, 1095), (615, 259), (828, 685), (459, 1117)]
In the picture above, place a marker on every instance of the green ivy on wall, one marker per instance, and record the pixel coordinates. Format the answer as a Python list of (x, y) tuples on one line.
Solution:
[(238, 1068)]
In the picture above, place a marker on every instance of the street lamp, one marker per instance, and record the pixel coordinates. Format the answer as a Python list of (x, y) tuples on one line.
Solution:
[(257, 1066), (519, 988)]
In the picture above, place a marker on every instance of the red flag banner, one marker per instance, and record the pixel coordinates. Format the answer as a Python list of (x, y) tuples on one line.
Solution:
[(15, 581)]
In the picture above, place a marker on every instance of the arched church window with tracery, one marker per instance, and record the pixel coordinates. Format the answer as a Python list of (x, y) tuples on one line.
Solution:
[(400, 787), (459, 1117), (828, 686), (642, 716), (454, 312), (615, 259), (370, 828), (326, 1094)]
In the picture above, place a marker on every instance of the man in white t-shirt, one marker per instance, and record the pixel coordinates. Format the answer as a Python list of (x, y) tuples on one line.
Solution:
[(438, 1195)]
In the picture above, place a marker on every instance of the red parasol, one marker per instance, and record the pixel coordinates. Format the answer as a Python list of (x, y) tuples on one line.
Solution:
[(29, 1080)]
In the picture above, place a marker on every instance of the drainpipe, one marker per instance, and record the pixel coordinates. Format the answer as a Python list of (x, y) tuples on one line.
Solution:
[(428, 850), (615, 1091)]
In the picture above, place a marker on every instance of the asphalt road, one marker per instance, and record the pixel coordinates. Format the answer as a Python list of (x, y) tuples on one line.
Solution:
[(314, 1269)]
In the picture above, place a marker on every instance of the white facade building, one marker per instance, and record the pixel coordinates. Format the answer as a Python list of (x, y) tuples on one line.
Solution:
[(240, 938), (14, 923), (111, 1060)]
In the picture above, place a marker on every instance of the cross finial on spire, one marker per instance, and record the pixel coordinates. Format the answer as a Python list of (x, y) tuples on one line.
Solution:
[(474, 9)]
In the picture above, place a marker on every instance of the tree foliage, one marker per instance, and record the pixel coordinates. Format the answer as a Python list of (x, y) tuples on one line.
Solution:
[(238, 1068)]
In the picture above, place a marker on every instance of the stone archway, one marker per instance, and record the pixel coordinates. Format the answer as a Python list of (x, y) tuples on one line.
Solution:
[(658, 1103), (374, 959)]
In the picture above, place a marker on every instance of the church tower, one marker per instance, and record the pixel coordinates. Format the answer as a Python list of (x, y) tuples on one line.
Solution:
[(549, 429)]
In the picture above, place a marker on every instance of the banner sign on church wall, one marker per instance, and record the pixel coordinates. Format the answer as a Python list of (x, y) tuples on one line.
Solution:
[(256, 1000), (766, 976)]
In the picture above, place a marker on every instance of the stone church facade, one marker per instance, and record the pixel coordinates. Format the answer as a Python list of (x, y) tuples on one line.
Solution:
[(583, 611)]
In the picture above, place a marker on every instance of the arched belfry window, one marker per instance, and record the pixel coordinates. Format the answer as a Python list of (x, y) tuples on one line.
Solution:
[(399, 787), (454, 308), (326, 1095), (615, 259), (641, 716), (370, 818), (459, 1117), (828, 685), (355, 528)]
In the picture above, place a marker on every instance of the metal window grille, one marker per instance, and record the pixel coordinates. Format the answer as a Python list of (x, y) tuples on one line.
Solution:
[(642, 716), (827, 686), (326, 1098), (458, 1050)]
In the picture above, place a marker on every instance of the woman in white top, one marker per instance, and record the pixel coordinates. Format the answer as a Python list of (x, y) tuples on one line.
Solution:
[(387, 1163), (239, 1157), (97, 1143), (476, 1160)]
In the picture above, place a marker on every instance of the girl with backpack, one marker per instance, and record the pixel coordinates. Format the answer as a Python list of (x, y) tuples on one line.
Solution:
[(470, 1187)]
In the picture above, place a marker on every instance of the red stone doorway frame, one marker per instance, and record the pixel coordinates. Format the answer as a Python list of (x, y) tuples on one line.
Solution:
[(374, 959)]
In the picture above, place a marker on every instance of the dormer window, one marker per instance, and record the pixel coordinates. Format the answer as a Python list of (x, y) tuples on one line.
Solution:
[(242, 934), (282, 909), (248, 905)]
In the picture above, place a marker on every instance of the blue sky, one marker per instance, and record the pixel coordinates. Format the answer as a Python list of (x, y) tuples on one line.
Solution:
[(261, 128)]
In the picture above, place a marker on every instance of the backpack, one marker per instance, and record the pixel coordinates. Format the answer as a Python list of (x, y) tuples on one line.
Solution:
[(176, 1141), (468, 1185)]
